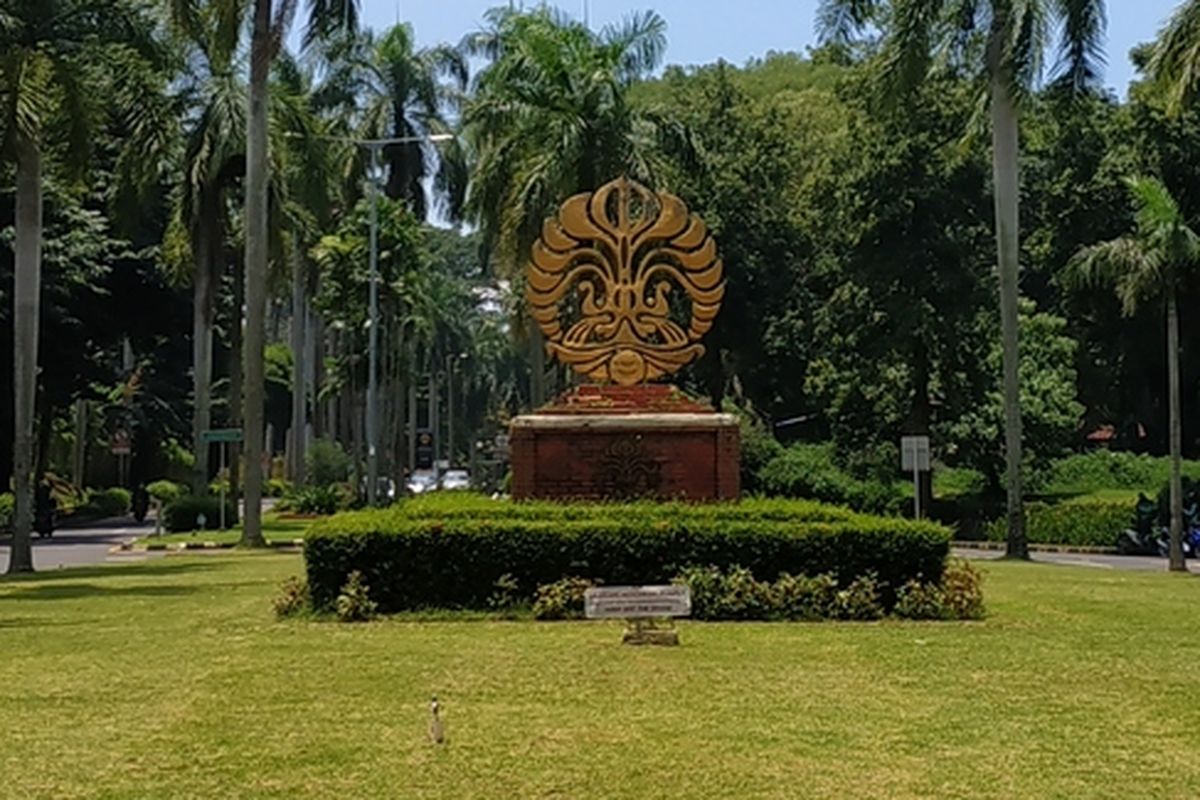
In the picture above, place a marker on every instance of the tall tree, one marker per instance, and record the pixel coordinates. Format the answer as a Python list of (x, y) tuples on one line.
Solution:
[(390, 89), (1151, 263), (212, 97), (550, 117), (54, 57), (1014, 35), (268, 29)]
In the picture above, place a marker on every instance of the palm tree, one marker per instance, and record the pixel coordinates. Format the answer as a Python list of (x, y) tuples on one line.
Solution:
[(1175, 62), (1014, 35), (268, 29), (305, 190), (55, 56), (212, 96), (1149, 264), (388, 89), (550, 118)]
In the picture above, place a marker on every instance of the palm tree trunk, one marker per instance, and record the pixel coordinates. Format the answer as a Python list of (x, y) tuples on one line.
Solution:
[(1004, 164), (299, 370), (236, 350), (202, 337), (26, 307), (256, 267), (1176, 437)]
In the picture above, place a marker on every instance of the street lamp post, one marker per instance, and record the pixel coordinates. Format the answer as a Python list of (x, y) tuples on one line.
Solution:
[(374, 146), (373, 335)]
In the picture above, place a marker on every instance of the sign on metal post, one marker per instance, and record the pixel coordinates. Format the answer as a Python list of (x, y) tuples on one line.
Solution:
[(637, 602), (915, 458), (641, 607), (424, 450), (221, 435), (121, 445)]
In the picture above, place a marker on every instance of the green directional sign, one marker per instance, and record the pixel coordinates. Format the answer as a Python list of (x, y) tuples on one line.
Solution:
[(222, 435)]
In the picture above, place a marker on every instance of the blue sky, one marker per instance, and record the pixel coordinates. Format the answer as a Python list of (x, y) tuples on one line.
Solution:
[(701, 31)]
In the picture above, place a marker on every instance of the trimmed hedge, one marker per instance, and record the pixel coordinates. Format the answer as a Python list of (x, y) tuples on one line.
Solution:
[(1090, 524), (111, 502), (474, 506), (413, 557), (180, 515)]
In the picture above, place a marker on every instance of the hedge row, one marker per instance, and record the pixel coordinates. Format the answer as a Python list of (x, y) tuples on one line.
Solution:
[(1090, 524), (456, 561), (469, 505)]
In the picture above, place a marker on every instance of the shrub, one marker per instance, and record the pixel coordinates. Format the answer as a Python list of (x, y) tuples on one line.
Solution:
[(805, 598), (1085, 473), (292, 598), (112, 502), (415, 557), (165, 491), (507, 594), (860, 600), (562, 599), (735, 594), (1082, 524), (354, 603), (314, 500), (809, 471), (277, 487), (758, 447), (917, 600), (326, 462), (181, 515), (962, 590), (6, 511)]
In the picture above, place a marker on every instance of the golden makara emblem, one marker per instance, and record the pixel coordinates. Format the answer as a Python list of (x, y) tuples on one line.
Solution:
[(602, 274)]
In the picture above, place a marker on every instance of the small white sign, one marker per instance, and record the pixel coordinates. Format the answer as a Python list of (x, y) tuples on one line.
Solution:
[(637, 602), (914, 454)]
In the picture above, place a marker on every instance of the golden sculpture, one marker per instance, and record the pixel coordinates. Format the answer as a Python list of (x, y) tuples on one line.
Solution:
[(620, 251)]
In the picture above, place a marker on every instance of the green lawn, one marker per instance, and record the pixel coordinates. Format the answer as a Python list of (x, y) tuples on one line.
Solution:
[(171, 678), (274, 530)]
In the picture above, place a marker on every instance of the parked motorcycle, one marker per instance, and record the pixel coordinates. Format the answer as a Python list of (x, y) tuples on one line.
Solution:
[(44, 506), (141, 503)]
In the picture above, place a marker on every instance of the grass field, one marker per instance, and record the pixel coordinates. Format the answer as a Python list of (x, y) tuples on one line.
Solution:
[(172, 679), (274, 528)]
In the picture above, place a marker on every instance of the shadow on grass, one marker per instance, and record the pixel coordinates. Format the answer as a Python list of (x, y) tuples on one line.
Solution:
[(74, 591), (12, 623), (155, 568)]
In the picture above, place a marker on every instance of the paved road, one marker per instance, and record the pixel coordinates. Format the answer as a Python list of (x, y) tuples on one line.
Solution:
[(89, 545), (1098, 561)]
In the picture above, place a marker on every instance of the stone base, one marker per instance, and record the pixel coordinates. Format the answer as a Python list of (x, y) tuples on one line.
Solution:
[(642, 633), (594, 456)]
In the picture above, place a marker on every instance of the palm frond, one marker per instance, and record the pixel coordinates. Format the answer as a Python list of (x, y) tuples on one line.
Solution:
[(909, 43), (1175, 62), (839, 21), (330, 18), (1081, 53)]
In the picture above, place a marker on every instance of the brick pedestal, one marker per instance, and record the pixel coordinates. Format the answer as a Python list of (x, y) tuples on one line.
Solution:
[(561, 455)]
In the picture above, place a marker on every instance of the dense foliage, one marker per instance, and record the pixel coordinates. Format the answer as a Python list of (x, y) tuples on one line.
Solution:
[(857, 238)]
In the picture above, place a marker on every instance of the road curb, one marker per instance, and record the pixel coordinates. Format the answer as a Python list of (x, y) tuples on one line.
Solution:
[(1041, 548), (176, 547)]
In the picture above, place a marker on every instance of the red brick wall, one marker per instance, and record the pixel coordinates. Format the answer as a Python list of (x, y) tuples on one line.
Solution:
[(669, 462)]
